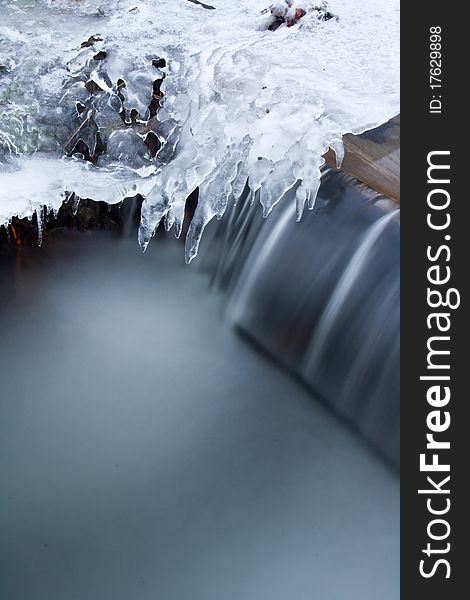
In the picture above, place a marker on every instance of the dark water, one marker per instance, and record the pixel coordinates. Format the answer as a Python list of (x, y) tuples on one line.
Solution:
[(147, 451)]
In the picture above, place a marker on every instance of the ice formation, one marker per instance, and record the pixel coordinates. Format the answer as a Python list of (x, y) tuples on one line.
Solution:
[(161, 97)]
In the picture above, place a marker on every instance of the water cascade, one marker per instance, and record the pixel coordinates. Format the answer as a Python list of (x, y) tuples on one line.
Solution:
[(329, 313)]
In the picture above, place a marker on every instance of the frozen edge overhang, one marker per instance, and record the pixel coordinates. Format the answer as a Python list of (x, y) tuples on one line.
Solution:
[(373, 158)]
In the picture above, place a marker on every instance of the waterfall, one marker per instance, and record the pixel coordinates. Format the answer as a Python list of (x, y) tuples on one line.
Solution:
[(322, 297), (358, 262)]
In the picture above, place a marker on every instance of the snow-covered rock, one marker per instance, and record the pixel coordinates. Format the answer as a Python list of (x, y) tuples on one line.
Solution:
[(165, 97)]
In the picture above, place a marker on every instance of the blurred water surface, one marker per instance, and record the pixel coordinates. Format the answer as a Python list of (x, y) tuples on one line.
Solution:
[(146, 451)]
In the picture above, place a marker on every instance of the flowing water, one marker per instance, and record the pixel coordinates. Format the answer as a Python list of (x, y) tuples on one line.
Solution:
[(322, 297), (147, 451)]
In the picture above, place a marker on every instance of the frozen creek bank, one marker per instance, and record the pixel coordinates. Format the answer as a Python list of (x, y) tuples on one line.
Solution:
[(105, 101)]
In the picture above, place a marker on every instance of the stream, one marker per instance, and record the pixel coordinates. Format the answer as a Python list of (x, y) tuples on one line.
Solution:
[(147, 451)]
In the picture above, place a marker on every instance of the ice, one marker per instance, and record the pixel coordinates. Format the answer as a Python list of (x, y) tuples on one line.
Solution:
[(35, 182), (107, 99)]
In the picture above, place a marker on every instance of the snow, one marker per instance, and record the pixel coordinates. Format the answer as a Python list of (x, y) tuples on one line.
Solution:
[(239, 103)]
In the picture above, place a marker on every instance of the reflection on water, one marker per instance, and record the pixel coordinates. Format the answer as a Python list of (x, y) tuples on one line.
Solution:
[(148, 452)]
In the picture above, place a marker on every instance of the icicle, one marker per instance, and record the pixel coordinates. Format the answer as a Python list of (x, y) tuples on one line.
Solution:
[(75, 204), (280, 180), (338, 148), (169, 219), (40, 222)]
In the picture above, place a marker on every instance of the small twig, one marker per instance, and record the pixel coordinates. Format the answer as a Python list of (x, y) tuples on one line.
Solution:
[(90, 115)]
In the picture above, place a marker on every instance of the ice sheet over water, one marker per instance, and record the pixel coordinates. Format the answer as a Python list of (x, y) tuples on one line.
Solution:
[(160, 97)]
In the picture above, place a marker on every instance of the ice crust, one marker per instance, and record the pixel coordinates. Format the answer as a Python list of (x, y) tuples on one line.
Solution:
[(239, 104)]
